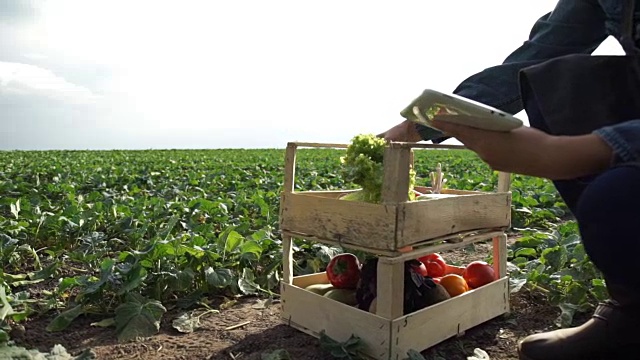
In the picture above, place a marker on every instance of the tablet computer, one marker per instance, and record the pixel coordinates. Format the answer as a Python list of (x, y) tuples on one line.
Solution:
[(458, 110)]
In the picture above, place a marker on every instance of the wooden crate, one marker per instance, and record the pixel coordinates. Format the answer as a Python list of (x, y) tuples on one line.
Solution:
[(388, 227), (391, 338), (395, 223)]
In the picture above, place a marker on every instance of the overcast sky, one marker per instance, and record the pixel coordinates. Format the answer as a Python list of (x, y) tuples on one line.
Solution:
[(214, 74)]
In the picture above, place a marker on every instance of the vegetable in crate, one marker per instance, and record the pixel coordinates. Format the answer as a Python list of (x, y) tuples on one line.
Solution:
[(343, 271), (345, 296), (435, 264), (479, 273), (363, 165), (419, 291), (319, 289), (454, 284), (437, 267)]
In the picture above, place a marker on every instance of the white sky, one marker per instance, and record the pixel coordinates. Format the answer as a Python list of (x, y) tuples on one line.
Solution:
[(252, 73)]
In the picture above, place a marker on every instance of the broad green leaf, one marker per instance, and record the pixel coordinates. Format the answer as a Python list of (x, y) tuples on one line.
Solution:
[(138, 317), (516, 284), (251, 247), (527, 252), (599, 290), (185, 323), (260, 235), (68, 283), (219, 277), (45, 273), (64, 319), (188, 322), (345, 349), (134, 278), (247, 284), (232, 241), (579, 253), (326, 253), (529, 242), (575, 293), (566, 316), (519, 261), (190, 300), (264, 207), (106, 271), (182, 280), (554, 257)]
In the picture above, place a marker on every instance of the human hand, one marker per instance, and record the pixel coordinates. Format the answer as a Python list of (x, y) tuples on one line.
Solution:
[(405, 131), (529, 151)]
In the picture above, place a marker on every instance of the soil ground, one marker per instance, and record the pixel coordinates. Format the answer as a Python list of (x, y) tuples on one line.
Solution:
[(265, 332)]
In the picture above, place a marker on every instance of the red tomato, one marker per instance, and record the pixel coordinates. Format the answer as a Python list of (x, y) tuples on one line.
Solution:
[(436, 266), (343, 271), (479, 273)]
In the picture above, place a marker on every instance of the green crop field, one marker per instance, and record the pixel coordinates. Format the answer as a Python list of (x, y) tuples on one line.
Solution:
[(128, 235)]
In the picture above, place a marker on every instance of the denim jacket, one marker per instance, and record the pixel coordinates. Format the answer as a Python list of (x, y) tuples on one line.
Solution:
[(574, 26)]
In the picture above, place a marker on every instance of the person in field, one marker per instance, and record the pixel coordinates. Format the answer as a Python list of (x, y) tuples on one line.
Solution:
[(597, 173)]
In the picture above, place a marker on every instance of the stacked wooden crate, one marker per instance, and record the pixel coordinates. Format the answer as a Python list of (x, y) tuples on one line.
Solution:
[(396, 230)]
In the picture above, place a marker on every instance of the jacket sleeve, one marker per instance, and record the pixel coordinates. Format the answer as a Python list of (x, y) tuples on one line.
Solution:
[(574, 26), (624, 139)]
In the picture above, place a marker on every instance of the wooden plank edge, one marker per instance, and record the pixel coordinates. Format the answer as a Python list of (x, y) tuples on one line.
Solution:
[(419, 249), (421, 189), (346, 245), (445, 243), (301, 144), (500, 283), (412, 323)]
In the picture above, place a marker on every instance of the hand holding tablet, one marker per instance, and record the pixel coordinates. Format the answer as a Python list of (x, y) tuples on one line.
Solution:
[(458, 110)]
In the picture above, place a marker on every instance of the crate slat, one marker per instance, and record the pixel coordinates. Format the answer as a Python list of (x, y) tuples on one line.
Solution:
[(420, 220), (312, 313), (350, 222), (428, 327)]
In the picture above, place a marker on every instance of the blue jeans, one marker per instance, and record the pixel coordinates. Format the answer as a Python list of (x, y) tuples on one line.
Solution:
[(608, 214), (607, 210)]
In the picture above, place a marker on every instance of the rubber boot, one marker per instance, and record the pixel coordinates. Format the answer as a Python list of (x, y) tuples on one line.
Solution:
[(613, 332)]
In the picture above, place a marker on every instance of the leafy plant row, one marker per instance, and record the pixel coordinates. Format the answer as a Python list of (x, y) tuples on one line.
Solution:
[(131, 234)]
